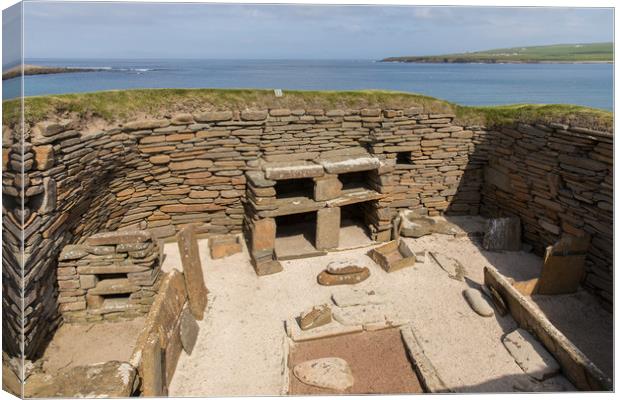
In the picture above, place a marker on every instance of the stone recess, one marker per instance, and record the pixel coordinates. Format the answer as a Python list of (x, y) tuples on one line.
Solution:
[(113, 275), (207, 169)]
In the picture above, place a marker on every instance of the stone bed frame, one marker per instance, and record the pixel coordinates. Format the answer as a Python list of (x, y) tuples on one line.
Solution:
[(163, 174)]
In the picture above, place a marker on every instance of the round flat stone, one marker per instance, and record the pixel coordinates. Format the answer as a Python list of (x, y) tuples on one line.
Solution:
[(478, 303), (329, 373)]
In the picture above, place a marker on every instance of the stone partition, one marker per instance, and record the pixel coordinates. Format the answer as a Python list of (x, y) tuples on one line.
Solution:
[(557, 179), (165, 174)]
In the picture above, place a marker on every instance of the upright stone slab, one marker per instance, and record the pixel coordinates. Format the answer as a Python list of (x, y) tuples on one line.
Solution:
[(503, 234), (263, 236), (327, 228), (192, 270), (327, 187)]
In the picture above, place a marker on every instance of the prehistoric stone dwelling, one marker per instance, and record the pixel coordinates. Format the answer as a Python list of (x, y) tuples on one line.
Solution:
[(263, 169)]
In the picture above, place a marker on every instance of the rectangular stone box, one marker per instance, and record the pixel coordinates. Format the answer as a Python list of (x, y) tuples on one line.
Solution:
[(393, 256)]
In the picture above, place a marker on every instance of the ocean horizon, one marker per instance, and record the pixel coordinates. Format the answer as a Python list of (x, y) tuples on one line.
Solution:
[(475, 84)]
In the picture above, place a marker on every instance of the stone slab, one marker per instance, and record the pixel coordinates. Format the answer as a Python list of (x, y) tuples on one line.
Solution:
[(292, 170), (344, 164), (530, 355), (192, 271), (502, 234)]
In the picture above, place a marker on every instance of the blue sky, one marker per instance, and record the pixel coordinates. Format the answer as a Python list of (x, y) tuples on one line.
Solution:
[(134, 30)]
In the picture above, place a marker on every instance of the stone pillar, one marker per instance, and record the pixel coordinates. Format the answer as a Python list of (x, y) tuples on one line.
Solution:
[(263, 243), (327, 228), (327, 187), (263, 237)]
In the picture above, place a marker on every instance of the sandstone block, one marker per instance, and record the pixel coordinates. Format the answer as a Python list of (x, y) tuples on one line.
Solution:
[(213, 116), (327, 188), (263, 235), (119, 237), (327, 228), (192, 164), (252, 115), (146, 124), (44, 157), (224, 246), (160, 159)]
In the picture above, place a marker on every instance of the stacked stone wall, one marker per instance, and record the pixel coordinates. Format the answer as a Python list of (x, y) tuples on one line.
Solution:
[(164, 174), (557, 179)]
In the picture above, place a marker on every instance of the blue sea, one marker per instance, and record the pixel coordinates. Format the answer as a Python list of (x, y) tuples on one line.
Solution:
[(467, 84)]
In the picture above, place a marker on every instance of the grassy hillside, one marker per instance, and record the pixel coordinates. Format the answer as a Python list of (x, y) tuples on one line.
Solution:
[(587, 52), (117, 106)]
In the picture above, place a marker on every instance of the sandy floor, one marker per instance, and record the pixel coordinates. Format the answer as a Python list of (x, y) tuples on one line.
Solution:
[(378, 361), (240, 344), (82, 344)]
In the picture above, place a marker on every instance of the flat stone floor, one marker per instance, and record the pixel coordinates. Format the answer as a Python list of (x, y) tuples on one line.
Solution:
[(91, 343), (240, 344)]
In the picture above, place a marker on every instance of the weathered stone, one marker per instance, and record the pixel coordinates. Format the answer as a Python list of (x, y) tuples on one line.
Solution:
[(452, 266), (119, 237), (192, 271), (356, 297), (251, 115), (189, 331), (153, 379), (343, 165), (146, 124), (213, 116), (87, 281), (224, 246), (331, 373), (315, 317), (72, 252), (109, 379), (478, 303), (44, 157), (263, 235), (267, 267), (327, 188), (327, 228), (159, 159), (48, 203), (531, 355), (414, 226), (503, 234), (327, 279), (192, 164), (293, 170)]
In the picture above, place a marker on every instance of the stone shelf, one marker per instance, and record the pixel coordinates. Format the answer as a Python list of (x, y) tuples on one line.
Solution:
[(113, 286)]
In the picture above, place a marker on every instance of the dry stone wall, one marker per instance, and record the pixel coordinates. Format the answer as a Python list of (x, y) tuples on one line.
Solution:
[(164, 174), (557, 179)]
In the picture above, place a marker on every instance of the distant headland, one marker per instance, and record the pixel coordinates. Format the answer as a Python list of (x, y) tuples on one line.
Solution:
[(40, 70), (557, 53)]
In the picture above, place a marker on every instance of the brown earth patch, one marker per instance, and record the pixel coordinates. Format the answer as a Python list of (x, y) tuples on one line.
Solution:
[(377, 359)]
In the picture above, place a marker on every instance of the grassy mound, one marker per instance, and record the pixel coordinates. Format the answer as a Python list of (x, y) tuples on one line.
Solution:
[(122, 105)]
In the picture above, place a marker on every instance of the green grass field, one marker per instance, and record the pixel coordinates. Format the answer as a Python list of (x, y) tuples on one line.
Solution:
[(586, 52), (122, 105)]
